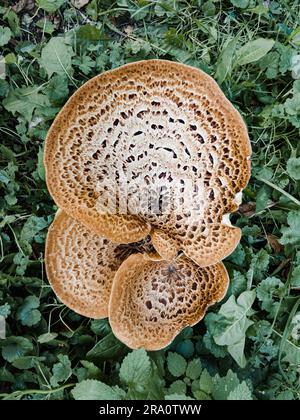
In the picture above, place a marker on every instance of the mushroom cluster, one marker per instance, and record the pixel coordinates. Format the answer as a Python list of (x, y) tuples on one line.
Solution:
[(145, 162)]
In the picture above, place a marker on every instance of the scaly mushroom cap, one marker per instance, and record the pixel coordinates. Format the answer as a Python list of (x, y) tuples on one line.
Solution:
[(81, 266), (159, 128), (151, 301)]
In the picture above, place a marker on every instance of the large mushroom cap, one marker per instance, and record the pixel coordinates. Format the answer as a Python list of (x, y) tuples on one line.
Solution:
[(81, 266), (162, 137), (152, 301)]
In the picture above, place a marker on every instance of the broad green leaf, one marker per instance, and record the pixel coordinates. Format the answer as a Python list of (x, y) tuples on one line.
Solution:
[(238, 283), (92, 371), (259, 265), (27, 362), (291, 352), (243, 4), (286, 54), (194, 369), (292, 106), (13, 21), (285, 395), (138, 47), (6, 375), (4, 89), (28, 313), (296, 86), (24, 101), (295, 66), (208, 8), (270, 63), (57, 89), (176, 364), (236, 350), (10, 59), (47, 337), (262, 260), (40, 164), (223, 386), (232, 332), (85, 63), (238, 256), (107, 348), (253, 50), (268, 291), (185, 348), (61, 371), (235, 312), (136, 12), (15, 347), (136, 368), (293, 168), (89, 33), (21, 262), (210, 344), (177, 387), (33, 231), (261, 9), (100, 327), (46, 26), (5, 310), (295, 327), (50, 5), (56, 57), (224, 64), (240, 393), (91, 389), (7, 153), (206, 382), (262, 198), (295, 277), (5, 35), (290, 235)]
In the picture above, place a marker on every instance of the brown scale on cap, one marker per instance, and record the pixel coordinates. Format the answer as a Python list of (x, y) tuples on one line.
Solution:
[(160, 124), (152, 301), (81, 265)]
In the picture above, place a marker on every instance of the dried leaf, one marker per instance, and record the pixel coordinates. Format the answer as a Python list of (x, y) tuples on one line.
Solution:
[(79, 3), (274, 244)]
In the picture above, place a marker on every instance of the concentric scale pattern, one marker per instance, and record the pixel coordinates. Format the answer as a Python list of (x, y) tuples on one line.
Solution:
[(151, 301)]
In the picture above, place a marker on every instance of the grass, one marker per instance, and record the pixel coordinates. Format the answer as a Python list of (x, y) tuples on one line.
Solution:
[(47, 53)]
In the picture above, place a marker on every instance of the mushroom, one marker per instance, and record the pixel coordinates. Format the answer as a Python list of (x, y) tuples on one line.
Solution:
[(152, 301), (163, 136), (148, 300), (81, 265)]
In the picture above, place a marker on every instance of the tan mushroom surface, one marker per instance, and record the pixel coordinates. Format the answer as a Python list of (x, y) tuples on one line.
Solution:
[(162, 130), (148, 300), (152, 301), (81, 265)]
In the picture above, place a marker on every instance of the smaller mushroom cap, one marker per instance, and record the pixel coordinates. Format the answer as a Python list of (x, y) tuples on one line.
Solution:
[(81, 266), (153, 300), (226, 239)]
